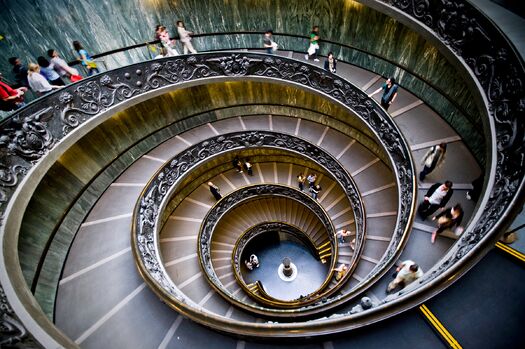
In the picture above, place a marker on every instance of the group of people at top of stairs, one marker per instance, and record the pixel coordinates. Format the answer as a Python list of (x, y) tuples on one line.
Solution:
[(54, 72), (41, 78), (47, 76)]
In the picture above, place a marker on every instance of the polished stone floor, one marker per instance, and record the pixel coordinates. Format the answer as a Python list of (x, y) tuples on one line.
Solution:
[(310, 272)]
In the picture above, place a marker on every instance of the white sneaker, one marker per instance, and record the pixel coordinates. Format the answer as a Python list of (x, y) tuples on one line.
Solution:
[(306, 57), (316, 60)]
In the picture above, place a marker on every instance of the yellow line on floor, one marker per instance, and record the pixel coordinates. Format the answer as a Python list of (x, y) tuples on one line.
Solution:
[(511, 251), (438, 326)]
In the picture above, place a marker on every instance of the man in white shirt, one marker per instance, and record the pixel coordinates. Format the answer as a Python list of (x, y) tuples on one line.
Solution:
[(341, 234), (436, 197), (312, 177), (407, 272), (185, 38)]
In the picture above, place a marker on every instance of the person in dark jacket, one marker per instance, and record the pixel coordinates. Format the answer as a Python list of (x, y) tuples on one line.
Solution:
[(236, 162), (450, 217), (20, 72), (215, 191), (315, 191), (436, 197), (331, 63)]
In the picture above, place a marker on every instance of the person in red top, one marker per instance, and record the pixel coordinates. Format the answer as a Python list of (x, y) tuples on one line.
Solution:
[(10, 98)]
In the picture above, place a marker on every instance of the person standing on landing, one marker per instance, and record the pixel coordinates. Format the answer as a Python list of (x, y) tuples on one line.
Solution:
[(61, 66), (433, 158), (185, 38), (48, 71), (38, 82), (162, 34), (20, 72), (313, 48), (389, 89), (267, 41)]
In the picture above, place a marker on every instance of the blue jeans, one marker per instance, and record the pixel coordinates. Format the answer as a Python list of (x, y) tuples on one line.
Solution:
[(92, 71)]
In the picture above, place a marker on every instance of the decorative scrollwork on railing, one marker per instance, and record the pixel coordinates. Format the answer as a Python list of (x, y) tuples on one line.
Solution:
[(12, 332), (498, 68), (241, 196)]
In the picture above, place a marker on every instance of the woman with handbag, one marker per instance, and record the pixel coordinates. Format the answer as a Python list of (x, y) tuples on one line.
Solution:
[(86, 59), (62, 68), (448, 219), (433, 158)]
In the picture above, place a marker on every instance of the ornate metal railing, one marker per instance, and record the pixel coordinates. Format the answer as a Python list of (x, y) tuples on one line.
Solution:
[(242, 40), (242, 196)]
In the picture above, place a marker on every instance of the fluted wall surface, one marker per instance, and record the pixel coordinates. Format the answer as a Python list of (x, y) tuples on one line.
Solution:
[(33, 27)]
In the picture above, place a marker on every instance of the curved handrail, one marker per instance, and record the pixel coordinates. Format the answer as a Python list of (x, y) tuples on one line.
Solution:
[(347, 46), (158, 191), (498, 70), (241, 196)]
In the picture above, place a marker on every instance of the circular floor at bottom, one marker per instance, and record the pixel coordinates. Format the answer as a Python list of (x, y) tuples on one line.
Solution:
[(310, 271)]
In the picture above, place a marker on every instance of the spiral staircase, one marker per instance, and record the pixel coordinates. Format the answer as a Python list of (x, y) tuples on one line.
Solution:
[(158, 151)]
